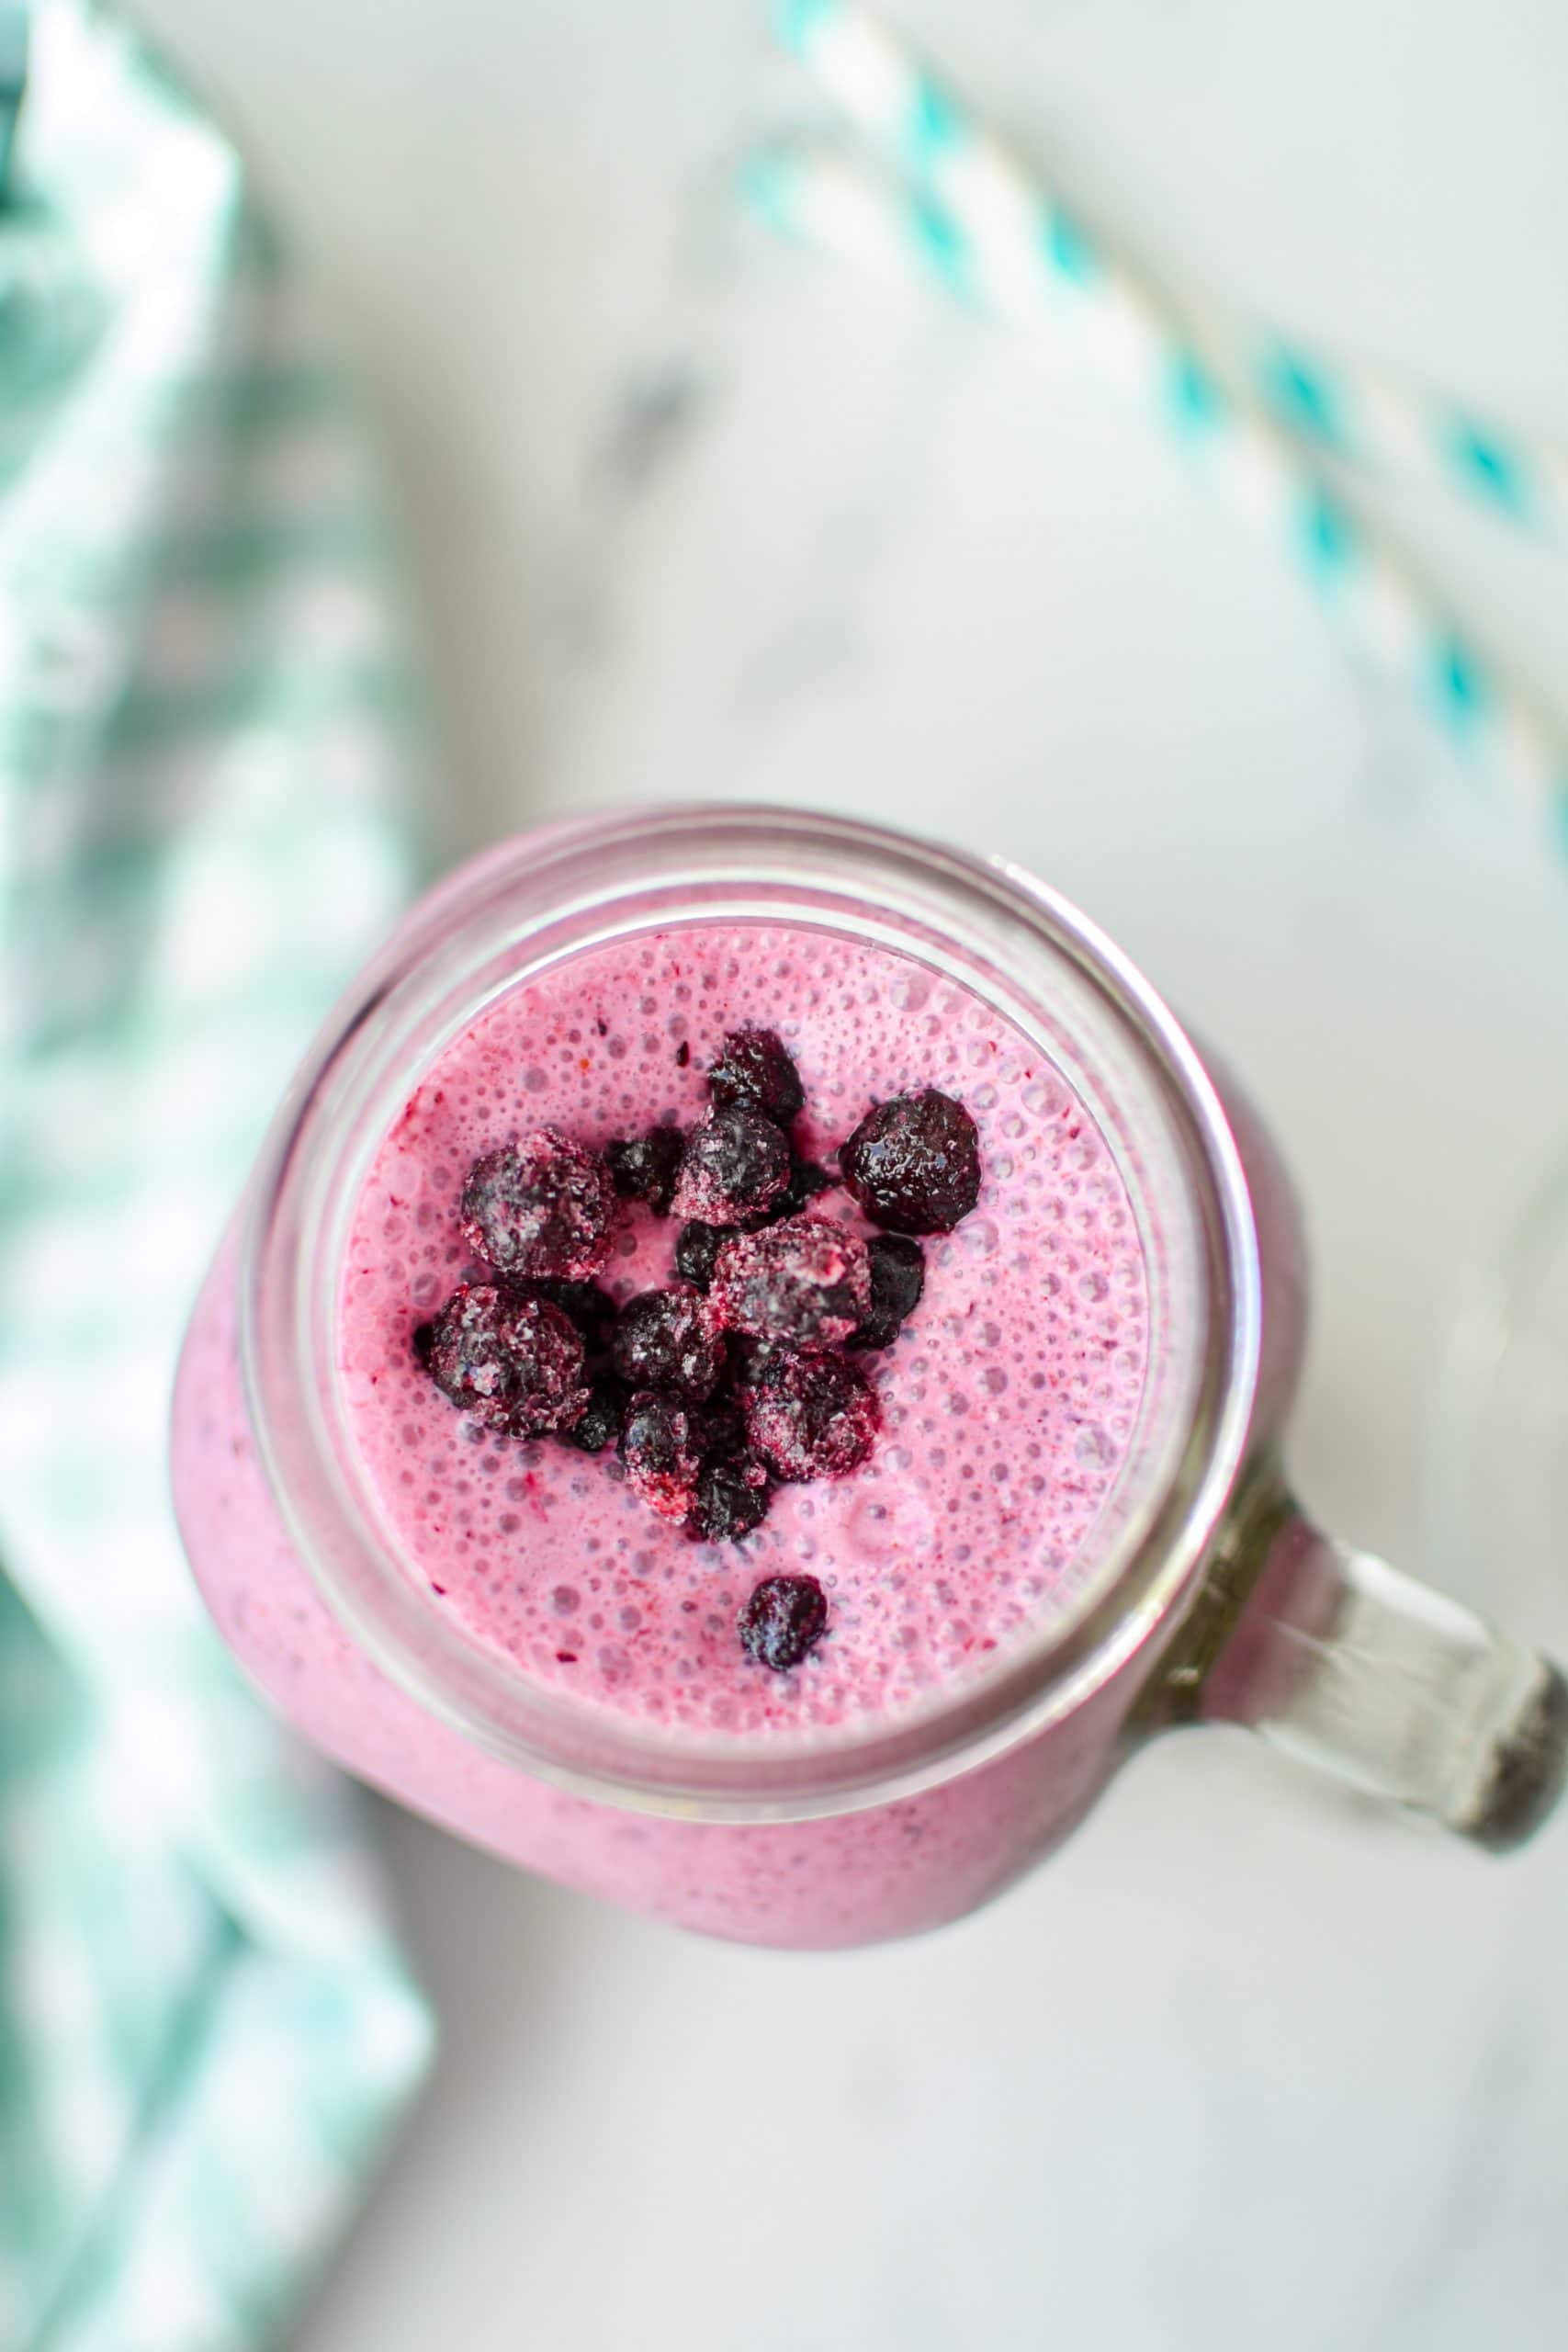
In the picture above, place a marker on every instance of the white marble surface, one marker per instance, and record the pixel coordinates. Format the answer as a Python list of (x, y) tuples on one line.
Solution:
[(1243, 2066)]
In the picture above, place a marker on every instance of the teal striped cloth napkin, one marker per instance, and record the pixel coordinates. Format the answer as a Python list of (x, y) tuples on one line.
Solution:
[(208, 748)]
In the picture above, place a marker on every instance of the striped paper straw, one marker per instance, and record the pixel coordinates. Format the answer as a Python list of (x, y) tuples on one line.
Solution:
[(1344, 409), (995, 240), (1358, 413)]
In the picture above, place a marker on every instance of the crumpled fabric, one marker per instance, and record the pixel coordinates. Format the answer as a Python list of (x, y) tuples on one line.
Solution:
[(209, 739)]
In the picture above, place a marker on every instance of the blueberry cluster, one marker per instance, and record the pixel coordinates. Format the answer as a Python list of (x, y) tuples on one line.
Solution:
[(743, 1373)]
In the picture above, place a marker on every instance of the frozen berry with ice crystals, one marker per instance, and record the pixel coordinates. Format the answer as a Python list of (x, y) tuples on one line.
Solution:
[(669, 1339), (601, 1421), (516, 1364), (897, 1277), (783, 1621), (809, 1415), (697, 1247), (735, 1167), (464, 1352), (754, 1066), (644, 1169), (662, 1448), (543, 1209), (913, 1163), (807, 1280), (731, 1500)]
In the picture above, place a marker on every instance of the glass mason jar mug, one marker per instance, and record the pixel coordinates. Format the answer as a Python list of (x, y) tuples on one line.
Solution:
[(1200, 1591)]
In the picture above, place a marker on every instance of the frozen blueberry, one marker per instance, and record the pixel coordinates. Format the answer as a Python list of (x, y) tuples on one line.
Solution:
[(783, 1620), (699, 1243), (514, 1362), (806, 1179), (601, 1421), (593, 1313), (543, 1209), (723, 1428), (644, 1170), (552, 1390), (809, 1415), (669, 1339), (662, 1448), (736, 1165), (466, 1354), (897, 1274), (732, 1499), (809, 1279), (697, 1247), (805, 1182), (897, 1277), (423, 1339), (753, 1066), (914, 1163)]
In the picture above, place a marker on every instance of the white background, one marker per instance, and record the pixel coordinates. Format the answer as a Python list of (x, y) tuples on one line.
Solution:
[(693, 513)]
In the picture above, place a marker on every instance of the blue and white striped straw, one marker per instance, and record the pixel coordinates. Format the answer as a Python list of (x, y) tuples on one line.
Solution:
[(1343, 408), (965, 209)]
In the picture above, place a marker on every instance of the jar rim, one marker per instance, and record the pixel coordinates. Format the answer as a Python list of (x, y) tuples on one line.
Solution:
[(554, 890)]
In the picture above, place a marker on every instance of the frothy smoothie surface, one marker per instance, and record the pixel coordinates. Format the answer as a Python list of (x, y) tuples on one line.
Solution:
[(1007, 1400)]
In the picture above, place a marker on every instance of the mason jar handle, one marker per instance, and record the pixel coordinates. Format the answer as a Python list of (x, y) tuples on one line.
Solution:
[(1332, 1655)]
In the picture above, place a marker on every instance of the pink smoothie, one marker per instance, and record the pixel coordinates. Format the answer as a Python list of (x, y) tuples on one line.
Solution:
[(1006, 1401), (1007, 1405)]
